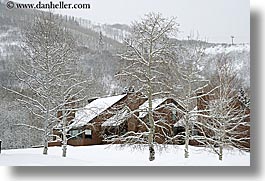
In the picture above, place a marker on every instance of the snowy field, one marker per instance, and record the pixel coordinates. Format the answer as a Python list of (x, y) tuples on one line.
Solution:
[(103, 155)]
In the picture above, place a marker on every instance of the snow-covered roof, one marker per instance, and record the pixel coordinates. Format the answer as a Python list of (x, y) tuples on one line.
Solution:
[(117, 119), (179, 123), (172, 105), (144, 107), (93, 109)]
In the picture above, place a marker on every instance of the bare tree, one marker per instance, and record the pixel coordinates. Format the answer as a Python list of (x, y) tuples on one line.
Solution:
[(146, 54), (228, 122), (72, 95), (46, 72), (187, 82)]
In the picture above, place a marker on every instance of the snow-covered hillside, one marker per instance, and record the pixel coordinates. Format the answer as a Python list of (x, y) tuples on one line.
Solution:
[(116, 32), (8, 40), (238, 54), (227, 49), (104, 155)]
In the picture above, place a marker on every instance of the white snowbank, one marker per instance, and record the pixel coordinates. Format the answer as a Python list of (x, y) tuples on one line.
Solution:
[(105, 155)]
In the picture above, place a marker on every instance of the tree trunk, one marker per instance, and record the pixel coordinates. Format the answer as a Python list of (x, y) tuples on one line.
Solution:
[(151, 138), (64, 119), (64, 150), (151, 152), (223, 128), (186, 154), (187, 119), (150, 112), (45, 149), (221, 153), (151, 131), (187, 140)]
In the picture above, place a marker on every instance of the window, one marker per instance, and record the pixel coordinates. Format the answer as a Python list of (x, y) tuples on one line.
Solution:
[(174, 115), (88, 133), (76, 133), (179, 130)]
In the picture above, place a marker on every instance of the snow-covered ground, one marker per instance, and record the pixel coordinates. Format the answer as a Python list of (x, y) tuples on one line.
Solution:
[(104, 155)]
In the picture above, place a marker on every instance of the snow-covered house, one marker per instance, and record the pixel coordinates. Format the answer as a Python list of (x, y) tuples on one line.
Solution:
[(120, 123), (86, 129), (116, 115), (166, 112)]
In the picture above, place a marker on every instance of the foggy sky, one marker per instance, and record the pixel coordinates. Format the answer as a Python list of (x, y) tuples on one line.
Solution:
[(212, 20)]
